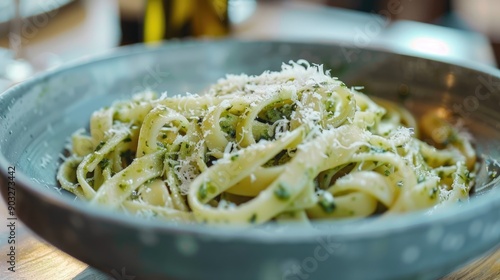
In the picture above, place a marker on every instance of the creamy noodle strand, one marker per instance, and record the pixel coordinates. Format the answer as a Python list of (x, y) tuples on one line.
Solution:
[(291, 145)]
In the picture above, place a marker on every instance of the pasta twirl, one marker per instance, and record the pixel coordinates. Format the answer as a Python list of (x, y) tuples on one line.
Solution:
[(295, 144)]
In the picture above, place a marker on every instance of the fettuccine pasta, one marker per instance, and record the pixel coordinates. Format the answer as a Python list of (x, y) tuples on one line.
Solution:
[(293, 145)]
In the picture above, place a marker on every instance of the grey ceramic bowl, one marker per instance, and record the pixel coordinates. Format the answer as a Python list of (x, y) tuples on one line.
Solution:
[(38, 116)]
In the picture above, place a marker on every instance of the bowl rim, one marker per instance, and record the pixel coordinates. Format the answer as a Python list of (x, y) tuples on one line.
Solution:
[(365, 228)]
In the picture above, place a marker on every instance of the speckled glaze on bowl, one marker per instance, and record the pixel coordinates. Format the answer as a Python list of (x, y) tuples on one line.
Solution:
[(38, 116)]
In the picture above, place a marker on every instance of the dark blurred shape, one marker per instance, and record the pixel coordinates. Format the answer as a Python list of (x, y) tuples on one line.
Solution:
[(132, 31), (131, 17), (166, 19)]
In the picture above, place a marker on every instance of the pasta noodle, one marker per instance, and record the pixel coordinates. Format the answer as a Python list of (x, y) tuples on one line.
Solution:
[(295, 145)]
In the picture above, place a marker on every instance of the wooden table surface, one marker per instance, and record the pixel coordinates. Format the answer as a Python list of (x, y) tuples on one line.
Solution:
[(485, 268)]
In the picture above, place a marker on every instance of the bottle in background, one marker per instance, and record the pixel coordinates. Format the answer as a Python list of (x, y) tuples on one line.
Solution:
[(166, 19)]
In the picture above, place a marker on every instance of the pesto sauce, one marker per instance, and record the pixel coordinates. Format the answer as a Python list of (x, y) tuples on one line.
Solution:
[(127, 156), (205, 189), (99, 146), (104, 163)]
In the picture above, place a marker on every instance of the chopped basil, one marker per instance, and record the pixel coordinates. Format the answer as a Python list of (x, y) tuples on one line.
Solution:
[(433, 194), (327, 205), (377, 150), (330, 105), (253, 218), (420, 179), (211, 188), (127, 156), (205, 189), (276, 111), (282, 192), (202, 192), (99, 146)]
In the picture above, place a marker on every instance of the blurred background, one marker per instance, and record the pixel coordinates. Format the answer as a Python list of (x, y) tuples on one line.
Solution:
[(36, 35)]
